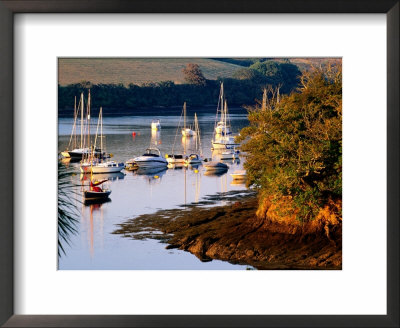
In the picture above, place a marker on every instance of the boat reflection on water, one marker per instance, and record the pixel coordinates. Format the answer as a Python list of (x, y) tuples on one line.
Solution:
[(194, 167), (109, 176), (216, 173), (105, 176), (230, 161), (96, 203), (65, 160), (238, 183), (94, 224), (176, 166), (156, 137), (152, 174)]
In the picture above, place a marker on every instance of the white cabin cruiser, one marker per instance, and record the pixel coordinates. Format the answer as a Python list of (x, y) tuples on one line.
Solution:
[(151, 158)]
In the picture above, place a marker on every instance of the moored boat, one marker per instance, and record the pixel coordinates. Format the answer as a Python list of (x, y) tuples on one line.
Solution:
[(230, 154), (196, 157), (222, 138), (239, 175), (175, 158), (215, 166), (178, 158), (193, 159), (95, 192), (188, 132), (151, 158), (96, 166), (108, 167), (156, 125)]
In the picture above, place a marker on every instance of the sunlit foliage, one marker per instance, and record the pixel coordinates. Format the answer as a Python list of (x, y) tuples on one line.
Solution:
[(294, 144)]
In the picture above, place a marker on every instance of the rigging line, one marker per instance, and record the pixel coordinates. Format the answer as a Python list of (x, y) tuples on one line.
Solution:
[(219, 102), (76, 112), (97, 130), (176, 134)]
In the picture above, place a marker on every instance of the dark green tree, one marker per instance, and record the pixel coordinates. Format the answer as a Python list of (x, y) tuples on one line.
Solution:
[(284, 74)]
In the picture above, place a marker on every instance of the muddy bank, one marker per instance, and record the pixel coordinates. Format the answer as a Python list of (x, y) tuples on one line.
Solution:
[(233, 233)]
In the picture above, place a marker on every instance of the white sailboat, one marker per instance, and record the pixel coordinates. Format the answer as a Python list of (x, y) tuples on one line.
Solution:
[(196, 157), (186, 131), (107, 166), (155, 125), (84, 152), (223, 138), (173, 158)]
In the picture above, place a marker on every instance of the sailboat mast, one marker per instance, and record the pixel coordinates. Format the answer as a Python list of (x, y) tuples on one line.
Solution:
[(184, 116), (225, 108), (184, 126), (75, 114), (82, 120), (101, 129), (197, 134), (88, 118), (222, 101)]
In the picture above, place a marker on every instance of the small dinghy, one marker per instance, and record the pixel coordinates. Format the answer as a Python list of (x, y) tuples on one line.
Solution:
[(193, 159), (215, 166), (95, 192)]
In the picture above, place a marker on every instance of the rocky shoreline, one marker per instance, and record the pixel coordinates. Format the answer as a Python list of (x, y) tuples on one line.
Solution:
[(233, 233)]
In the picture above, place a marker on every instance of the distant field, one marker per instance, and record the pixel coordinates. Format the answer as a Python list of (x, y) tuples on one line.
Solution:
[(142, 70), (306, 64), (136, 70)]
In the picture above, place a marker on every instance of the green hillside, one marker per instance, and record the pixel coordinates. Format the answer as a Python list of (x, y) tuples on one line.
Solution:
[(137, 70)]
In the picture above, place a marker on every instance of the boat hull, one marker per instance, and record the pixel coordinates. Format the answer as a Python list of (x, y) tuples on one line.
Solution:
[(149, 160), (223, 145), (96, 195), (108, 167), (80, 154), (65, 154), (146, 165), (212, 166), (230, 155)]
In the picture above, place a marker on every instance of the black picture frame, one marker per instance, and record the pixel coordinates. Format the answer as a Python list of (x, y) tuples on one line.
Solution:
[(8, 200)]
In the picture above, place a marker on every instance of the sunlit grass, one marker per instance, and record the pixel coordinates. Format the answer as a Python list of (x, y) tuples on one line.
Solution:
[(137, 70)]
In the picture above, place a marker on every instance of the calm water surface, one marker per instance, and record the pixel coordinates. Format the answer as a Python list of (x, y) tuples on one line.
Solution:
[(94, 246)]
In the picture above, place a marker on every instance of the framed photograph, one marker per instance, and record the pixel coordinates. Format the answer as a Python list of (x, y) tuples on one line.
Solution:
[(202, 159)]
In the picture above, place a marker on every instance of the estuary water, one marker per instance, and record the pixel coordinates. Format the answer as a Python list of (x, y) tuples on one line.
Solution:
[(93, 245)]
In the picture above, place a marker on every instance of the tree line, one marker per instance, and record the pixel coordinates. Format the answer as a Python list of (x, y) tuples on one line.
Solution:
[(243, 88)]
